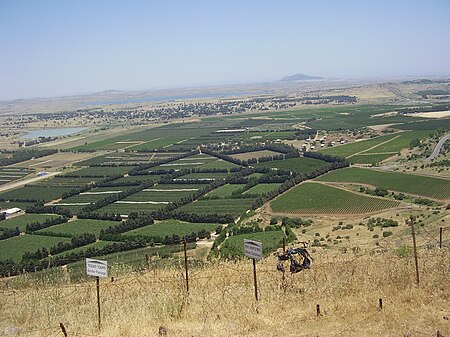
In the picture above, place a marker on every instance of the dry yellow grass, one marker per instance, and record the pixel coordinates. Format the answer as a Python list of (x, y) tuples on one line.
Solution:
[(221, 300)]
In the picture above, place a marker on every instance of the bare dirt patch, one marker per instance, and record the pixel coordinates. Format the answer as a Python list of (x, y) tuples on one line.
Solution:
[(54, 161), (433, 114)]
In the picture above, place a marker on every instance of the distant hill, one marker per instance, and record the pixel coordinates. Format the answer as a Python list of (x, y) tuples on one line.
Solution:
[(299, 77)]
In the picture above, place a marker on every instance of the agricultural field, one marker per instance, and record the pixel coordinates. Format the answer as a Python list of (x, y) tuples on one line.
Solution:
[(377, 149), (204, 162), (315, 198), (225, 191), (370, 159), (402, 141), (72, 182), (78, 227), (11, 204), (171, 227), (234, 245), (126, 158), (101, 171), (124, 207), (92, 196), (156, 143), (203, 176), (156, 195), (155, 137), (135, 259), (15, 247), (140, 178), (9, 174), (35, 193), (358, 146), (254, 176), (261, 135), (235, 207), (263, 189), (22, 221), (255, 154), (98, 244), (299, 164), (395, 181)]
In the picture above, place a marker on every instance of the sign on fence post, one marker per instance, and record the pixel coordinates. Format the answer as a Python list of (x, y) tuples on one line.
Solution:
[(97, 268), (253, 250)]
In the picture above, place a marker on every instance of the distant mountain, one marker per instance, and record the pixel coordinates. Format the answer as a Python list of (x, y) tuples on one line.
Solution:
[(300, 77)]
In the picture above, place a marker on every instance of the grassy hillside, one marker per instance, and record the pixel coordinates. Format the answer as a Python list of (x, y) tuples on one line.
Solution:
[(221, 301)]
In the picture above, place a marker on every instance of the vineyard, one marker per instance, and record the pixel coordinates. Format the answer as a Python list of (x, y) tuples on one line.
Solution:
[(315, 198), (396, 181), (171, 227), (77, 227)]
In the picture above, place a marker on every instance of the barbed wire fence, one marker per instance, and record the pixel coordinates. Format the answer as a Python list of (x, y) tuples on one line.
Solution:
[(237, 283)]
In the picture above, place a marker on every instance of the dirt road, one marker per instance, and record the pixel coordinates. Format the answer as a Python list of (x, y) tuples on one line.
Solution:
[(20, 183)]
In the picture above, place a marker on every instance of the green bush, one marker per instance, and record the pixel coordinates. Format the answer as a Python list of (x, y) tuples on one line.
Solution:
[(386, 234)]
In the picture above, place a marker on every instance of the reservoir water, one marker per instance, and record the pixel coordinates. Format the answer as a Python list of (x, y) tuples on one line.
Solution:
[(56, 132)]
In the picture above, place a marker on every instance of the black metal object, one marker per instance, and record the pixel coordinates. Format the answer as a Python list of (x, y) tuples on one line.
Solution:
[(295, 265)]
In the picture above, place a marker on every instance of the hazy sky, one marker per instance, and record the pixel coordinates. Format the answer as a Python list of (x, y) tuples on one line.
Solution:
[(65, 47)]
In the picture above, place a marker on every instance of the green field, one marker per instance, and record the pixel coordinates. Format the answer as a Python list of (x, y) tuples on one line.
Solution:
[(93, 195), (156, 195), (67, 181), (267, 135), (101, 171), (376, 149), (125, 158), (15, 247), (395, 181), (234, 245), (132, 179), (9, 174), (35, 193), (356, 147), (370, 158), (171, 227), (156, 143), (225, 190), (205, 176), (11, 204), (402, 141), (78, 227), (98, 245), (262, 188), (300, 164), (127, 208), (235, 207), (314, 198), (22, 221), (157, 137)]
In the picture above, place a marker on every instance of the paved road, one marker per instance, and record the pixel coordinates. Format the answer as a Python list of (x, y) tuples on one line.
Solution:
[(438, 147)]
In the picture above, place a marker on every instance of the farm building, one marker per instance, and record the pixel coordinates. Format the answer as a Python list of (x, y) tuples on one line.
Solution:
[(11, 211)]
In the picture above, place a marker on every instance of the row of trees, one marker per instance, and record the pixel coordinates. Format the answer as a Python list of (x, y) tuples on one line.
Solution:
[(23, 155), (35, 226), (39, 208), (10, 267), (9, 233)]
